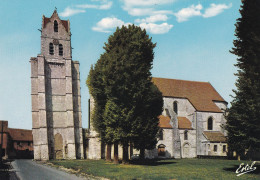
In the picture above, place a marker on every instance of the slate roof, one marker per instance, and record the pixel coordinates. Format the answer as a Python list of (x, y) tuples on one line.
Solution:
[(21, 134), (200, 94), (214, 136), (183, 122)]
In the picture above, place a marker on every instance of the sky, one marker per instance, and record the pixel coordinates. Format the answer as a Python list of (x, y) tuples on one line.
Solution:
[(193, 43)]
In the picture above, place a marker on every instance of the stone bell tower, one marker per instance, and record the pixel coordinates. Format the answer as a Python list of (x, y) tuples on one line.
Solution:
[(55, 92)]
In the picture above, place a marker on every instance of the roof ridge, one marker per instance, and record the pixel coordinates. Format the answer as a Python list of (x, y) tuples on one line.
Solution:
[(182, 80)]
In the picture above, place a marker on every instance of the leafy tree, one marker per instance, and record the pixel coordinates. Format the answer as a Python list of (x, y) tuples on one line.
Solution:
[(124, 72), (243, 122)]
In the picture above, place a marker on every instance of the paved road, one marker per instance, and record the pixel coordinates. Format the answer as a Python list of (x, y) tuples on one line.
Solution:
[(30, 170)]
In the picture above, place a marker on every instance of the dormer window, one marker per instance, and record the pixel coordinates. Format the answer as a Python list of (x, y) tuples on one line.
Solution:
[(51, 49), (55, 26), (60, 50)]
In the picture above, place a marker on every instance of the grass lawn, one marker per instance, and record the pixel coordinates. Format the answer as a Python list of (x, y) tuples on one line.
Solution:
[(162, 169)]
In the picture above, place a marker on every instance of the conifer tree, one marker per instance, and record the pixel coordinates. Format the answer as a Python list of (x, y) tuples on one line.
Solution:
[(96, 87), (146, 127), (243, 119), (126, 82)]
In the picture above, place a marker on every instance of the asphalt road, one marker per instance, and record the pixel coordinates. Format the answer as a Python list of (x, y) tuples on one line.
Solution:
[(30, 170)]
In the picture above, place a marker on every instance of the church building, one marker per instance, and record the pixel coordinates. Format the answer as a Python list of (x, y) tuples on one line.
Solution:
[(191, 125), (55, 93)]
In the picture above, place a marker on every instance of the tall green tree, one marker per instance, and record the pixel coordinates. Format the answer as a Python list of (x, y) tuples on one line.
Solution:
[(125, 80), (243, 119), (146, 127), (96, 89)]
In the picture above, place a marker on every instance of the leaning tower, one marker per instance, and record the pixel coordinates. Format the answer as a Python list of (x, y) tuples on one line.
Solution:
[(55, 93)]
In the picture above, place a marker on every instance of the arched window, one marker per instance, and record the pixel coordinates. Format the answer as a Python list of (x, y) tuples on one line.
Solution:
[(60, 50), (210, 123), (175, 107), (55, 26), (51, 49), (186, 135)]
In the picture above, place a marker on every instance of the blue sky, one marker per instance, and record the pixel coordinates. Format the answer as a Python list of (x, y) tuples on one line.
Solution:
[(193, 42)]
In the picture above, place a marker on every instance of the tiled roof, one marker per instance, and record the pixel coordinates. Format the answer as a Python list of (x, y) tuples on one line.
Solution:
[(215, 136), (65, 23), (164, 122), (200, 94), (184, 123), (21, 134)]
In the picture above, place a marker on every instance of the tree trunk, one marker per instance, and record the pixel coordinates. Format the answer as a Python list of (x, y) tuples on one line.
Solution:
[(108, 155), (116, 153), (142, 153), (131, 150), (125, 153)]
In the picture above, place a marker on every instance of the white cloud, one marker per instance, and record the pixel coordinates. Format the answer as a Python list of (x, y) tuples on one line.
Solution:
[(145, 7), (186, 13), (128, 3), (156, 28), (107, 24), (103, 6), (69, 12), (140, 11), (215, 9), (106, 6), (146, 11), (153, 19)]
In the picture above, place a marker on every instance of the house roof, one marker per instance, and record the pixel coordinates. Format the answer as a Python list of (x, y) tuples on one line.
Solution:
[(184, 123), (21, 134), (200, 94), (214, 136)]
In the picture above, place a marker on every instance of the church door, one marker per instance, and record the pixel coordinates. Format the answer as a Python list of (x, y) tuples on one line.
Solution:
[(58, 146)]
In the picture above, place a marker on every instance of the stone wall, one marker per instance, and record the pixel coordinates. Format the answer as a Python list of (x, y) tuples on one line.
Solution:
[(219, 152), (168, 142), (188, 147)]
